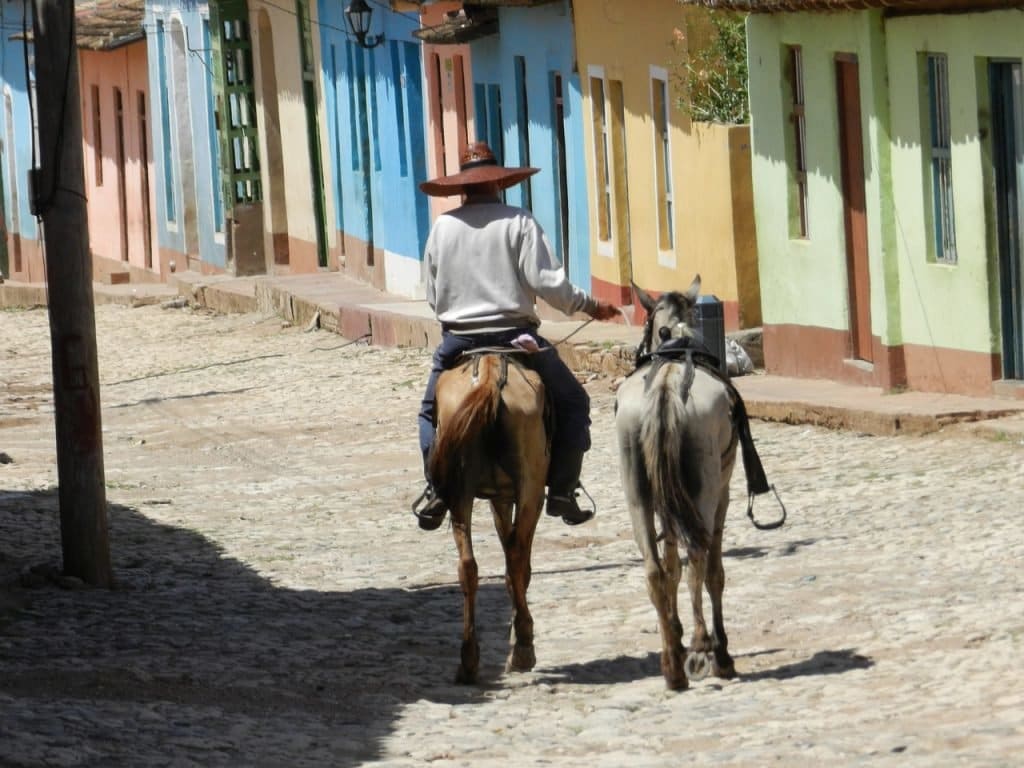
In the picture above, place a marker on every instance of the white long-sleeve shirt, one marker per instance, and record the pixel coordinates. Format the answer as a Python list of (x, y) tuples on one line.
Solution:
[(486, 264)]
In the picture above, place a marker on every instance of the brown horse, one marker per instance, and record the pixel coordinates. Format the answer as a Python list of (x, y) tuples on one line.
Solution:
[(492, 443)]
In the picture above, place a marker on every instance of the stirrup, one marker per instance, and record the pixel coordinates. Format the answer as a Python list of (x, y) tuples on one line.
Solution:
[(429, 509)]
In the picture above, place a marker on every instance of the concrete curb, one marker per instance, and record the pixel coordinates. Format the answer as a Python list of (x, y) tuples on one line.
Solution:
[(611, 357), (871, 422), (22, 296), (355, 311)]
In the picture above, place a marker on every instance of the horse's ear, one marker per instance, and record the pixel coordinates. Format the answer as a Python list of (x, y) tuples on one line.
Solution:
[(693, 292), (645, 300)]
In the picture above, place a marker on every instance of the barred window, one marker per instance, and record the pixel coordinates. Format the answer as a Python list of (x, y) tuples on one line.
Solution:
[(797, 143), (941, 162), (662, 163)]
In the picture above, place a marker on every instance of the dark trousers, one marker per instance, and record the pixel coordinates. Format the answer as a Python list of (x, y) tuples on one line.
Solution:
[(568, 397)]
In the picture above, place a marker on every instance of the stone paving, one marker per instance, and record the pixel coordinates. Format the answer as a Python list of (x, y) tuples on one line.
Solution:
[(277, 606)]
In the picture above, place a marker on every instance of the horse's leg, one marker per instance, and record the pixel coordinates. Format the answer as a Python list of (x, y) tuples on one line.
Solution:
[(700, 641), (518, 545), (661, 590), (503, 522), (673, 574), (662, 578), (723, 665), (469, 665)]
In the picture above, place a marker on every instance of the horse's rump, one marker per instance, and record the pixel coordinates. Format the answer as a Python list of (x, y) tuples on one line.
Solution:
[(482, 404), (685, 429)]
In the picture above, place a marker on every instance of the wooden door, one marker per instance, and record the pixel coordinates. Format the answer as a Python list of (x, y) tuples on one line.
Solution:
[(851, 153), (1008, 158)]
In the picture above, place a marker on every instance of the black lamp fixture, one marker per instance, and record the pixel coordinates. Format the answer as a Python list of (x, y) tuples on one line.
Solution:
[(358, 16)]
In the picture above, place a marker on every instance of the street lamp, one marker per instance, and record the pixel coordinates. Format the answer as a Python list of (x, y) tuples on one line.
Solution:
[(358, 16)]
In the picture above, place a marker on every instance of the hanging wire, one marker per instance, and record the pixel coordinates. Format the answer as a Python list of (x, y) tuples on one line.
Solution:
[(41, 203)]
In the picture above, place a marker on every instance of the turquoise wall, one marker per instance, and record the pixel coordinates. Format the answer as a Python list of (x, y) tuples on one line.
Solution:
[(167, 95), (15, 179), (376, 96), (543, 36)]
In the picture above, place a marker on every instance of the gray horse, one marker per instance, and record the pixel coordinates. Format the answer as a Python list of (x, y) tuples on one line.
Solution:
[(678, 442)]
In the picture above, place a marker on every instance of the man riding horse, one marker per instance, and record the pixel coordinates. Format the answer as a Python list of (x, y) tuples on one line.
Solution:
[(485, 264)]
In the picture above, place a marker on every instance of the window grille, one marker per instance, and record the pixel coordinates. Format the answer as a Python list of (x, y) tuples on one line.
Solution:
[(943, 224), (662, 163), (798, 143)]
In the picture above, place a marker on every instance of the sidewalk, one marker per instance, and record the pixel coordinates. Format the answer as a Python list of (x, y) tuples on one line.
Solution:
[(353, 309)]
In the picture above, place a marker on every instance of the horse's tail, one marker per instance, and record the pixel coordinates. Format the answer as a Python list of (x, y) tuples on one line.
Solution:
[(459, 444), (661, 441)]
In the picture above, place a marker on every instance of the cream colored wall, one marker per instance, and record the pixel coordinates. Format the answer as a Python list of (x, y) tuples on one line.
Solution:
[(292, 118), (625, 43)]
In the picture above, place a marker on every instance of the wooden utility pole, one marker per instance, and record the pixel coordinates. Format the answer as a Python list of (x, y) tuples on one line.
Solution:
[(58, 196)]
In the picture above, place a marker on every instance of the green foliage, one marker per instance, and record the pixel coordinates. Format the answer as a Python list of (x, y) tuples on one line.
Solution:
[(715, 76)]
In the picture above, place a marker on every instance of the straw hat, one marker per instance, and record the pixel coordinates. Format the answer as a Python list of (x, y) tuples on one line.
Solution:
[(477, 165)]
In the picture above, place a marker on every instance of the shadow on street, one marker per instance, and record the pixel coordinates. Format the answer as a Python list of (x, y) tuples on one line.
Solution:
[(191, 639)]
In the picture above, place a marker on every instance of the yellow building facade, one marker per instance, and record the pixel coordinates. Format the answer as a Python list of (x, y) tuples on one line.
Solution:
[(669, 198)]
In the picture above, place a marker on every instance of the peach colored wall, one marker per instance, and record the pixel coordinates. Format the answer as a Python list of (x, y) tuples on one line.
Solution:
[(118, 233), (450, 118)]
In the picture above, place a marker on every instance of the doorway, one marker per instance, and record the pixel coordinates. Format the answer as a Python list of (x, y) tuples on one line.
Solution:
[(181, 111), (851, 159), (621, 227), (561, 171), (1008, 159), (147, 228), (14, 223), (309, 101), (122, 177), (362, 109)]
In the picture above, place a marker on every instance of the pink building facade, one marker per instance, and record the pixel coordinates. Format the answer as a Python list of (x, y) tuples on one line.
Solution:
[(449, 93), (119, 175)]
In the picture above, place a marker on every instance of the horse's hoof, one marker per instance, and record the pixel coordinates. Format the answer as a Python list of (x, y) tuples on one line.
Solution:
[(697, 666), (679, 683), (726, 672), (465, 677), (672, 669), (521, 659)]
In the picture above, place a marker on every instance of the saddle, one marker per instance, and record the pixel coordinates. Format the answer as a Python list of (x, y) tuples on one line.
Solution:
[(508, 353), (692, 352), (510, 356)]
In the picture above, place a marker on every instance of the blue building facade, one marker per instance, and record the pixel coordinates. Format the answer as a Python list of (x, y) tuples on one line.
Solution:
[(189, 220), (21, 255), (528, 107), (375, 123)]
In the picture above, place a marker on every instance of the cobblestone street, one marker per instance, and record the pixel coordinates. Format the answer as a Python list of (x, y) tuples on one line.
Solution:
[(276, 604)]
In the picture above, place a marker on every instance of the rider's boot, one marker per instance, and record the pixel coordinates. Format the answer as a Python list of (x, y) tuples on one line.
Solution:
[(563, 482), (429, 509)]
